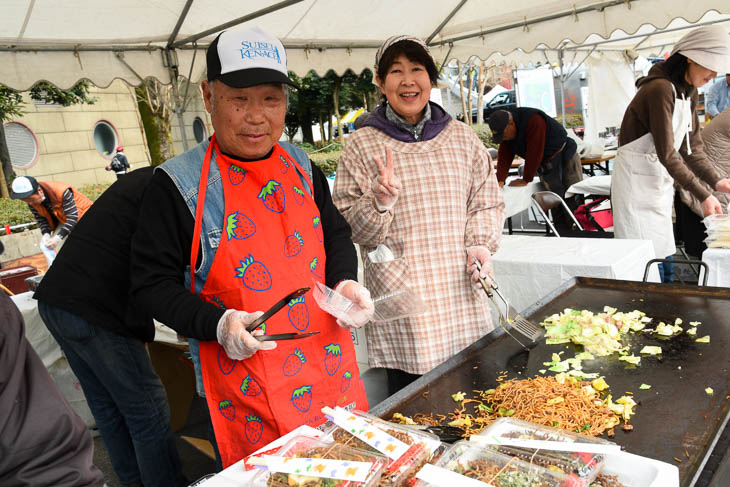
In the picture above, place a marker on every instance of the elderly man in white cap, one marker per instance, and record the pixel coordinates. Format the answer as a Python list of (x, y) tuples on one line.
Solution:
[(232, 226), (660, 142)]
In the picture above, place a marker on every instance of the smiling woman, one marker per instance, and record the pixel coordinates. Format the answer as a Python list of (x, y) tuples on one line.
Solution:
[(422, 184)]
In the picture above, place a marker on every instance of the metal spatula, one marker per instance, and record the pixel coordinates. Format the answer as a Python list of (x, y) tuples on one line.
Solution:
[(516, 321)]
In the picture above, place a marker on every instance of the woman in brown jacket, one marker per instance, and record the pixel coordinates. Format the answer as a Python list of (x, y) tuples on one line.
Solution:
[(660, 142)]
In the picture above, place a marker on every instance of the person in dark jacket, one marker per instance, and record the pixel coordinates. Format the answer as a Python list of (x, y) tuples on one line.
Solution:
[(42, 439), (542, 142), (119, 163), (84, 301)]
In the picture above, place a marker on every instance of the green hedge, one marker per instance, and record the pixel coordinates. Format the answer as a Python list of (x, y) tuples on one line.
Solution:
[(16, 212), (326, 161)]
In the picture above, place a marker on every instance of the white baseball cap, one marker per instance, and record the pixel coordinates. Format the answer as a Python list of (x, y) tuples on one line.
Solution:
[(245, 58), (23, 186)]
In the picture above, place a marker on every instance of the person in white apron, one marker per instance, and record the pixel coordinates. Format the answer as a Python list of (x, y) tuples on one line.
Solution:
[(660, 142)]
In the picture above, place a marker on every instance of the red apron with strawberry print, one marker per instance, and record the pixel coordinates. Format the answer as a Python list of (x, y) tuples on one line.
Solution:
[(272, 244)]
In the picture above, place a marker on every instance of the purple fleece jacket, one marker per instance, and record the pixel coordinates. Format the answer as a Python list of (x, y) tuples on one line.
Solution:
[(439, 120)]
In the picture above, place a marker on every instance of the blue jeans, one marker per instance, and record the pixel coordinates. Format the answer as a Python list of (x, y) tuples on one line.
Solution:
[(125, 396)]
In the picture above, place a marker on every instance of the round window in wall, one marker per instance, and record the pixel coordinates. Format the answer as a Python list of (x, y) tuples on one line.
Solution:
[(105, 138), (22, 145), (199, 130)]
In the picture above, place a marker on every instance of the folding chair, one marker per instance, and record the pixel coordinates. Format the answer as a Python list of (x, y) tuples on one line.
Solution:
[(547, 201)]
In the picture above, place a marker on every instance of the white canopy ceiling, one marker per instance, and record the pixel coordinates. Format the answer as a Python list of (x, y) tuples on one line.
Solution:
[(101, 40)]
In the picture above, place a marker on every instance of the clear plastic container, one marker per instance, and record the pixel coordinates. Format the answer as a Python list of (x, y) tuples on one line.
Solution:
[(332, 302), (398, 472), (306, 447), (398, 304), (717, 222), (583, 465), (718, 242), (494, 468)]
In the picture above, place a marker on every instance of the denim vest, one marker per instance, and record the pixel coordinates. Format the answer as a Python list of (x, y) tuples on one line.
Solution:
[(184, 170)]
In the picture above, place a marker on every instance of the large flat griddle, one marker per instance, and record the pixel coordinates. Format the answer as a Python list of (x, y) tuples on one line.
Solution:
[(675, 418)]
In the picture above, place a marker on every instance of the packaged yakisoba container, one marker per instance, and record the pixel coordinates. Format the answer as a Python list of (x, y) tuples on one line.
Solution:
[(308, 462), (572, 454), (468, 464), (407, 449)]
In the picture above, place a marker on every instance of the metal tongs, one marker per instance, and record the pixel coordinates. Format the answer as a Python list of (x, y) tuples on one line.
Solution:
[(516, 321), (272, 311)]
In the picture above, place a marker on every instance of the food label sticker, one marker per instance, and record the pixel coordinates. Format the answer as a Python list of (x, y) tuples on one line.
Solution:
[(380, 440), (446, 478), (318, 467)]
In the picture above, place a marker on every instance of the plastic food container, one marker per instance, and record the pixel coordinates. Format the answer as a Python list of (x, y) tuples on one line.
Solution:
[(584, 466), (332, 302), (421, 447), (489, 466), (321, 463), (717, 222)]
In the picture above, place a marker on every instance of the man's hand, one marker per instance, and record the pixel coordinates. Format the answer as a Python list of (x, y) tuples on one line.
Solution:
[(386, 186), (45, 240), (723, 186), (484, 257), (711, 206), (518, 182), (236, 341), (364, 308)]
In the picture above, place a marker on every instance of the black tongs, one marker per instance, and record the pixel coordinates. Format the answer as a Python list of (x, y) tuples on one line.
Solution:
[(272, 311)]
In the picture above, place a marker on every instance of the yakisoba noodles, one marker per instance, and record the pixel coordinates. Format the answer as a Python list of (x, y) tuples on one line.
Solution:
[(570, 405)]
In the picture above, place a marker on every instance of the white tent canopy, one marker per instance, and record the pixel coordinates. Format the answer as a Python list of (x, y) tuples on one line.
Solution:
[(101, 40)]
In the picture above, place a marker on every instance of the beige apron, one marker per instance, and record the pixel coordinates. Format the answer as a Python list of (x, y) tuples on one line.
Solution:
[(642, 191)]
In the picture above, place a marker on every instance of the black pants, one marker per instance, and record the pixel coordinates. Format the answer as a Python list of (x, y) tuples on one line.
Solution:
[(398, 379), (689, 228)]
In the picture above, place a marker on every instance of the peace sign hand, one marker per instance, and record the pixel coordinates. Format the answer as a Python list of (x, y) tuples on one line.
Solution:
[(386, 186)]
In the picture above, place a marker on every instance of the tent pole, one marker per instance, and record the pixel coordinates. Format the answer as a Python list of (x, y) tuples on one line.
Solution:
[(445, 21), (177, 106), (562, 84)]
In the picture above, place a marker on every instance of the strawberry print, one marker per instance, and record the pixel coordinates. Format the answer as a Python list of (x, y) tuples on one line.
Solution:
[(236, 174), (253, 428), (227, 409), (314, 268), (302, 398), (298, 195), (317, 224), (225, 364), (272, 195), (249, 387), (239, 226), (332, 358), (298, 313), (218, 302), (293, 363), (284, 166), (345, 382), (255, 275), (293, 244)]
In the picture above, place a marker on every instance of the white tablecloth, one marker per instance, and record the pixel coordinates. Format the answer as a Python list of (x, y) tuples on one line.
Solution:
[(598, 185), (519, 198), (718, 260), (528, 268)]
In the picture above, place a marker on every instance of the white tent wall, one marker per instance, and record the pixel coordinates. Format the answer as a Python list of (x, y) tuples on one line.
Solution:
[(608, 73)]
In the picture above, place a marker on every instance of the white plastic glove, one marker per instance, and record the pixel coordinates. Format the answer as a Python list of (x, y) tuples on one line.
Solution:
[(362, 311), (386, 186), (53, 242), (484, 256), (236, 341), (45, 239)]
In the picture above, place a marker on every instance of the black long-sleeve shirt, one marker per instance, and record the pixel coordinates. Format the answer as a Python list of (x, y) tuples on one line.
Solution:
[(161, 251)]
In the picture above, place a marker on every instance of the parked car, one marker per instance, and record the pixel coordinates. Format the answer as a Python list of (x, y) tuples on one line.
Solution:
[(503, 101)]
